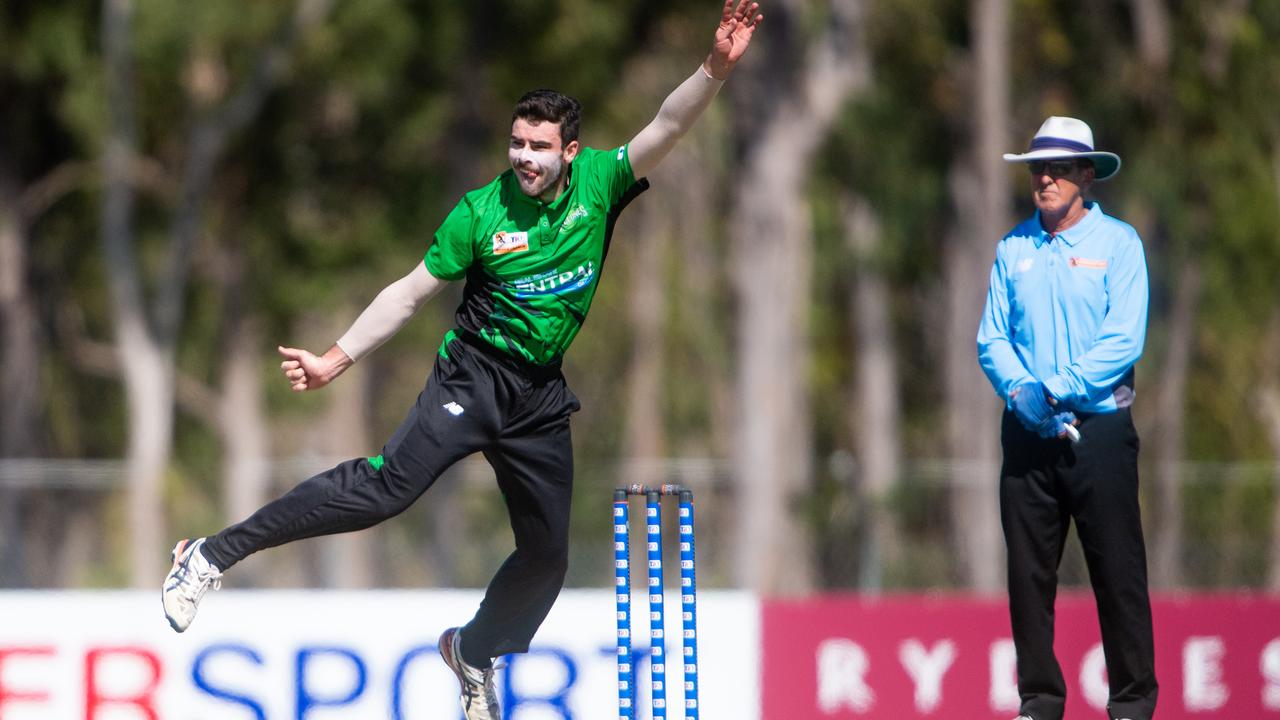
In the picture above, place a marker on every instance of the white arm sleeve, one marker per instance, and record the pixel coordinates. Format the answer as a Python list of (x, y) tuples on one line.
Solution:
[(388, 312), (678, 112)]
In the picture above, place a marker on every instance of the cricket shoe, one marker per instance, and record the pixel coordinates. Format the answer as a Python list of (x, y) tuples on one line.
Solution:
[(479, 696), (187, 582)]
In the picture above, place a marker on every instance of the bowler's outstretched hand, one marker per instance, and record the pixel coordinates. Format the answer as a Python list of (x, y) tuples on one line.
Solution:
[(738, 22), (306, 371)]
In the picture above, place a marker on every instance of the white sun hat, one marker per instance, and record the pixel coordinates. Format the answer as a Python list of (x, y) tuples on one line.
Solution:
[(1063, 138)]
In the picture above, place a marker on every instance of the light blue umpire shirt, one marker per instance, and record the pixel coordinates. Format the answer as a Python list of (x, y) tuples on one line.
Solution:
[(1069, 310)]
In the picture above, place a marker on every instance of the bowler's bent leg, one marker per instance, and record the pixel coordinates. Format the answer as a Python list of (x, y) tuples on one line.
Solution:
[(363, 492)]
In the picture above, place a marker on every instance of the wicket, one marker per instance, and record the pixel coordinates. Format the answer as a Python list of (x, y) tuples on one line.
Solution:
[(657, 630)]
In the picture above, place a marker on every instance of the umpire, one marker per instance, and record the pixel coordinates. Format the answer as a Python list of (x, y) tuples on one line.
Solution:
[(1064, 324)]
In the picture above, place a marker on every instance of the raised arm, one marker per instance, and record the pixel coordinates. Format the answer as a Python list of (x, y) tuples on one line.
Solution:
[(384, 317), (738, 22)]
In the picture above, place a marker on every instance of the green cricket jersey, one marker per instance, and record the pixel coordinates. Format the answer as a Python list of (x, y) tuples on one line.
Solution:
[(532, 267)]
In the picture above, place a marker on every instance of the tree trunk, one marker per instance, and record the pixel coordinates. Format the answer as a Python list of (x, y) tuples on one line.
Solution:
[(1221, 20), (770, 236), (647, 309), (149, 390), (246, 466), (147, 353), (19, 341), (874, 408), (206, 143), (1168, 439), (1154, 41), (674, 258), (1269, 415), (774, 443), (235, 411), (1271, 400), (348, 560), (701, 283), (467, 154), (147, 367), (1151, 26), (980, 190), (19, 373)]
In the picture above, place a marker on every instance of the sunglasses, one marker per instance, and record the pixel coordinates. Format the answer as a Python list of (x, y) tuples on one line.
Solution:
[(1055, 168)]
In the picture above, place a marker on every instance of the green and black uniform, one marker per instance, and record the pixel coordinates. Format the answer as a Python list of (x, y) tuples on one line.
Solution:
[(531, 267), (531, 271)]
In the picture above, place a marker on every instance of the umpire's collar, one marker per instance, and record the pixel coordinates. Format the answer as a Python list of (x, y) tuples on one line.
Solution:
[(1074, 234)]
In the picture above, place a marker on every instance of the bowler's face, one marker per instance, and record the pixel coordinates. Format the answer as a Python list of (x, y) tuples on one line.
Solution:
[(539, 158), (1059, 185)]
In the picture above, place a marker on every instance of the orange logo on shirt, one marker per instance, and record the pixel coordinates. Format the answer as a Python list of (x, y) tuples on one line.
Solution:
[(505, 242), (1087, 263)]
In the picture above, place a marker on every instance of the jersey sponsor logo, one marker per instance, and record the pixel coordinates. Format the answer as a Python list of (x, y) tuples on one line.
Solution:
[(454, 408), (1024, 265), (575, 215), (555, 282), (505, 242), (622, 152), (1087, 263)]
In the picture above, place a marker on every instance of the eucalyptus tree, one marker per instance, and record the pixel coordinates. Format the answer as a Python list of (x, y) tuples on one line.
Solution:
[(146, 325)]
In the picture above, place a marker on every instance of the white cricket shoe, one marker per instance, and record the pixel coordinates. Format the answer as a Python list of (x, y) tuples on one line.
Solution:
[(479, 696), (187, 582)]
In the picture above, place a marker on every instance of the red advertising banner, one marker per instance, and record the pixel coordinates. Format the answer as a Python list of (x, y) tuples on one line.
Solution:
[(904, 657)]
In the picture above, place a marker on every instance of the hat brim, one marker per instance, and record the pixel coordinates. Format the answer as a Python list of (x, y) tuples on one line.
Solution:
[(1105, 164)]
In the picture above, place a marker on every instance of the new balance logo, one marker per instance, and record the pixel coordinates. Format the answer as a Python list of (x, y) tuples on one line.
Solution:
[(453, 408)]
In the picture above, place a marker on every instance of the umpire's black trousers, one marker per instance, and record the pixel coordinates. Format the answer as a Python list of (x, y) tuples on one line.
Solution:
[(1044, 484), (476, 400)]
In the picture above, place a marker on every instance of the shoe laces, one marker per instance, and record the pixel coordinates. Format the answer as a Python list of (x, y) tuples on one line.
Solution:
[(195, 582), (484, 684), (490, 690)]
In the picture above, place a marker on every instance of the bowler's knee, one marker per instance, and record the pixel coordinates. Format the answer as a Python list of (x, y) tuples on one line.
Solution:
[(396, 490), (548, 558)]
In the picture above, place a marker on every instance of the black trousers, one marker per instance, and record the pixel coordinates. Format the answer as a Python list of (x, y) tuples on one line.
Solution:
[(475, 400), (1044, 485)]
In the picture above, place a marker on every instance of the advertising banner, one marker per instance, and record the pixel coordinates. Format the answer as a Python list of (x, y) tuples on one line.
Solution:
[(1217, 657), (330, 655), (356, 655)]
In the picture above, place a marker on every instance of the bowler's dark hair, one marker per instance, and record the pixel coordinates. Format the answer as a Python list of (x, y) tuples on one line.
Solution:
[(551, 106)]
